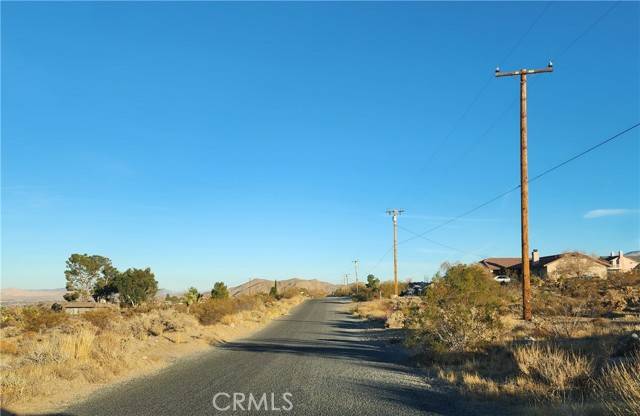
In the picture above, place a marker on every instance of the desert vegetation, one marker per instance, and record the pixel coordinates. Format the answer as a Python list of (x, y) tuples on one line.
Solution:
[(372, 288), (44, 351), (580, 354)]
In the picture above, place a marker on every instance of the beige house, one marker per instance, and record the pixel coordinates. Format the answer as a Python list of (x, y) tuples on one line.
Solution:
[(619, 263), (572, 264), (566, 265)]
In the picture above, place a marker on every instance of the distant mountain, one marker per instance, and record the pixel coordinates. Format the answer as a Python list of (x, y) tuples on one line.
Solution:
[(14, 296), (635, 255), (255, 286)]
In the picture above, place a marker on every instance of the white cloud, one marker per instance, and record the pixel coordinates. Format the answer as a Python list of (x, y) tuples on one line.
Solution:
[(608, 212)]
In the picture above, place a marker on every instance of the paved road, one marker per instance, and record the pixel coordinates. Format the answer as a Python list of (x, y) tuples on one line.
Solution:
[(329, 362)]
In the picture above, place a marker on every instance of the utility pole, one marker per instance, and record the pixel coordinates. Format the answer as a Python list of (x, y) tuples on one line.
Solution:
[(394, 215), (355, 262), (346, 282), (524, 183)]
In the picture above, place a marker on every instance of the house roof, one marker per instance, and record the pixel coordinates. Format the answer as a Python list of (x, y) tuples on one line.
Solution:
[(609, 258), (544, 260), (497, 263)]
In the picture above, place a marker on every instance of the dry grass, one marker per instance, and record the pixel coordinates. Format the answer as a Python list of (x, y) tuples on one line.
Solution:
[(44, 352), (375, 310), (557, 371), (619, 386)]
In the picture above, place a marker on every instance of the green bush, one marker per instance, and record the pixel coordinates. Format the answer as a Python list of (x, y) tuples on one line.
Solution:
[(460, 312), (219, 291)]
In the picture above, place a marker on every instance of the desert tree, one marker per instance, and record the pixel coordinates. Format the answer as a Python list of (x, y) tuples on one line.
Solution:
[(83, 273), (192, 296), (219, 291), (373, 283), (136, 286)]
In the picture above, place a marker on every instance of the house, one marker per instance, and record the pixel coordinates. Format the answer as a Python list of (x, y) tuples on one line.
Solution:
[(499, 265), (571, 264), (619, 263), (76, 308)]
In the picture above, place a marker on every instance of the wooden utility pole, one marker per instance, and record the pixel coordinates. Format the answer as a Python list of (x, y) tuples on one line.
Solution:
[(355, 262), (394, 215), (346, 283), (524, 184)]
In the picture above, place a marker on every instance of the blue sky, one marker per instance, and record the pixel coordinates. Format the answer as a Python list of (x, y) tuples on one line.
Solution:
[(217, 141)]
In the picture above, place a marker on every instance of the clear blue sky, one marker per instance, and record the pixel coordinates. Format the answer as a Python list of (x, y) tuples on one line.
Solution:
[(226, 141)]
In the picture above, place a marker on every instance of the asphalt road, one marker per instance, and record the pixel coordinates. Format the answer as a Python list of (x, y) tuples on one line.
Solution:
[(318, 360)]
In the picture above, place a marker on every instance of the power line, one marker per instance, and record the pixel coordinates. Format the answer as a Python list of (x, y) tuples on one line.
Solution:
[(386, 253), (501, 62), (515, 188), (477, 96), (466, 253), (587, 30)]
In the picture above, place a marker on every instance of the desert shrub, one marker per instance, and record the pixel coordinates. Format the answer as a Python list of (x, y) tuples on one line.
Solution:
[(460, 311), (9, 317), (36, 319), (13, 387), (249, 302), (628, 279), (191, 296), (362, 296), (212, 311), (8, 347), (619, 386), (100, 318), (342, 291), (386, 288), (290, 292), (59, 347), (561, 373)]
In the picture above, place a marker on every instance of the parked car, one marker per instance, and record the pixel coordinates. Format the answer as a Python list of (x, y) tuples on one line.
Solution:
[(503, 279), (415, 289)]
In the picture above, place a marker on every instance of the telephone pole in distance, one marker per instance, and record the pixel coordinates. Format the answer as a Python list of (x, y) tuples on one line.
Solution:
[(355, 262), (524, 183), (394, 216)]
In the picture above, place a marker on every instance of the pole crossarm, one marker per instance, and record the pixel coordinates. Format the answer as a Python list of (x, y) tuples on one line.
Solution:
[(523, 71)]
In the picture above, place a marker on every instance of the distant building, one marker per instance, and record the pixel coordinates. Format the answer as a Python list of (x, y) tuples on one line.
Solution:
[(499, 265), (572, 264), (619, 263), (553, 267), (76, 308)]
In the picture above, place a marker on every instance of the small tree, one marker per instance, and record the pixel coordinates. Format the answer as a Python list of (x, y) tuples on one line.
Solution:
[(219, 291), (192, 296), (83, 272), (136, 286), (373, 283)]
